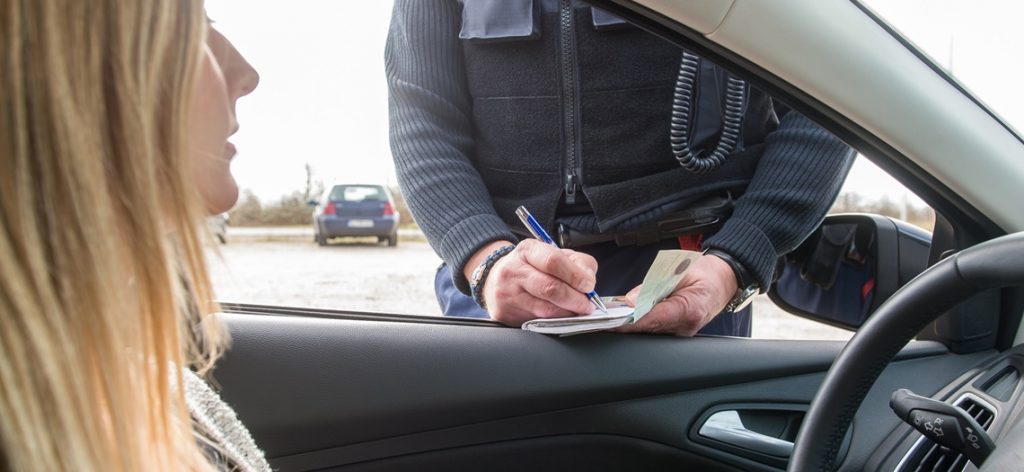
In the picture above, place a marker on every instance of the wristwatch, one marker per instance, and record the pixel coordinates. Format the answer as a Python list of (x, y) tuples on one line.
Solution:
[(746, 284)]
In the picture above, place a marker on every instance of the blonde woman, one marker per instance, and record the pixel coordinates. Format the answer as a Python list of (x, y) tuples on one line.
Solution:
[(114, 121)]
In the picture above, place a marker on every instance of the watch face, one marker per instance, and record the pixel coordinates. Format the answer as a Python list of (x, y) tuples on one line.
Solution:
[(743, 298)]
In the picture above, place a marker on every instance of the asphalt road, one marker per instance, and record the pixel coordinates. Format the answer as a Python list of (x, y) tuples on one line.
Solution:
[(363, 276)]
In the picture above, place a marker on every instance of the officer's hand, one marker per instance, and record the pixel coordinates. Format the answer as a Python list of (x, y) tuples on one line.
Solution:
[(702, 293), (537, 280)]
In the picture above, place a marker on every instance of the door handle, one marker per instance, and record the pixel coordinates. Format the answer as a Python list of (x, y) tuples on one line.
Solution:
[(727, 427)]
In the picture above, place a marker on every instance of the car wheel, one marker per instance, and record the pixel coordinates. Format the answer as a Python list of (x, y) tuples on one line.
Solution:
[(393, 240), (320, 239)]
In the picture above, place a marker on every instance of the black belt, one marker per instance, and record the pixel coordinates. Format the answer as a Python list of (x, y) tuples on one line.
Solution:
[(704, 216)]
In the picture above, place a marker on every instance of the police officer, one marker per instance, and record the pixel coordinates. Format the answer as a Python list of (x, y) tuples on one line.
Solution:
[(599, 129)]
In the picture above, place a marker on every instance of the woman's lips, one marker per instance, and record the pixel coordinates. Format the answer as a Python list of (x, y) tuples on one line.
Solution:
[(230, 150)]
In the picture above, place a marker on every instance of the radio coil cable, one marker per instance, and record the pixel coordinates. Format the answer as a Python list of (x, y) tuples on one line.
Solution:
[(682, 108)]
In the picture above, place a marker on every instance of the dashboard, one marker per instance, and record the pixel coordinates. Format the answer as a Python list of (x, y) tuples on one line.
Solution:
[(991, 395)]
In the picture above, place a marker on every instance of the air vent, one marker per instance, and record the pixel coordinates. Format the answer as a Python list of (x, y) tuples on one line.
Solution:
[(926, 455)]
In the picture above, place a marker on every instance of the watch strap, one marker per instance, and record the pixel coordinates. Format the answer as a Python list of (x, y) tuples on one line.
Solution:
[(746, 284)]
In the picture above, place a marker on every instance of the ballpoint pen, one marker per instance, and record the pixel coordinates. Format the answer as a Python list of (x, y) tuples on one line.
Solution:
[(538, 232)]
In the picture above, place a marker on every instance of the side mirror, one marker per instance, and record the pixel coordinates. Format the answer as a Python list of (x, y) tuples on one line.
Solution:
[(848, 267), (312, 203)]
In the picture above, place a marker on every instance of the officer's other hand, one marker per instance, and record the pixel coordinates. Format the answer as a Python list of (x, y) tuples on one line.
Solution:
[(702, 293), (537, 280)]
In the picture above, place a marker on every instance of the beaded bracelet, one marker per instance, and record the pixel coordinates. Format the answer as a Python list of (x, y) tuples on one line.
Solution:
[(476, 285)]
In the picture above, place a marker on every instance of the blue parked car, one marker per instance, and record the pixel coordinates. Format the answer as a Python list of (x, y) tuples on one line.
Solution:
[(356, 210)]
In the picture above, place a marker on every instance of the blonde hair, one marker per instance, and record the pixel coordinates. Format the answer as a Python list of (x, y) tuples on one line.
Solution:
[(103, 286)]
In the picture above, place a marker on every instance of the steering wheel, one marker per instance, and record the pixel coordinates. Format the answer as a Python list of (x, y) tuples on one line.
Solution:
[(992, 264)]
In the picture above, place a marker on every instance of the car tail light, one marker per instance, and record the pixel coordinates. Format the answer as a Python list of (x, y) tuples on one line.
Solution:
[(329, 209), (388, 209)]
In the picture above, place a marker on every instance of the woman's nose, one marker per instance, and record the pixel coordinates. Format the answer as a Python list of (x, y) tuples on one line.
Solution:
[(242, 77), (249, 78)]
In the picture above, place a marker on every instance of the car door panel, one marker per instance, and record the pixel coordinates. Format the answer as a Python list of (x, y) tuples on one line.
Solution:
[(373, 394), (565, 452)]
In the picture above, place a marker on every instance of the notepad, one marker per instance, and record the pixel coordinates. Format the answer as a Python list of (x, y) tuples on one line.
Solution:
[(668, 269)]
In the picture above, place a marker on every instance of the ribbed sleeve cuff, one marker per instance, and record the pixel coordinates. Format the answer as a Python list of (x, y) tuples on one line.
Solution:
[(465, 238), (748, 245)]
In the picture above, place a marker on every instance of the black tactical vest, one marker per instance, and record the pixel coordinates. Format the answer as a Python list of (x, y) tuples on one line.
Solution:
[(568, 99)]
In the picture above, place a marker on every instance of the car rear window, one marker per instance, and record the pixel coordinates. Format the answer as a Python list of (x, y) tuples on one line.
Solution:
[(358, 193)]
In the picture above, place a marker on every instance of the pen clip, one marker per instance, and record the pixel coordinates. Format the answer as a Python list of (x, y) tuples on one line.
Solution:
[(532, 225)]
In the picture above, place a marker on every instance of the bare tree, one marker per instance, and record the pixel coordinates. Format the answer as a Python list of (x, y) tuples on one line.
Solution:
[(307, 193), (857, 203), (248, 211), (404, 214)]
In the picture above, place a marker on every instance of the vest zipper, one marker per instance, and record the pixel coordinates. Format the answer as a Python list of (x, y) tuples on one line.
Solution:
[(570, 98)]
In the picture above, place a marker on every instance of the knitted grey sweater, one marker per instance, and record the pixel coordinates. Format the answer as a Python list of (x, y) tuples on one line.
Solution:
[(433, 141), (228, 441)]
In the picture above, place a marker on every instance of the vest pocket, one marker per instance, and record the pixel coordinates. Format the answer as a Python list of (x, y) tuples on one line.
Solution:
[(604, 21), (500, 20)]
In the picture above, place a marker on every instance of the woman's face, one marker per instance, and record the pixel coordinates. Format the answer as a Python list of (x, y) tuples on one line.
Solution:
[(224, 76)]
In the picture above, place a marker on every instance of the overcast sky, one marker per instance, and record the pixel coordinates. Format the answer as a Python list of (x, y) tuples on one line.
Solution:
[(322, 97)]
